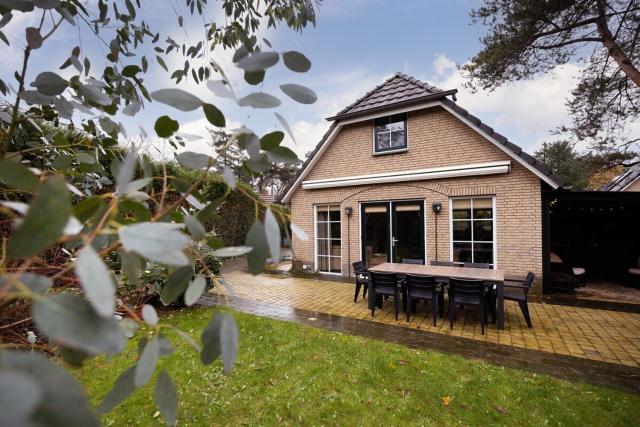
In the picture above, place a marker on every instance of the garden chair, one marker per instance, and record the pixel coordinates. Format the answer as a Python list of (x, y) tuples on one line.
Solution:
[(518, 291), (478, 265), (362, 279), (423, 288), (442, 263), (467, 292), (384, 284)]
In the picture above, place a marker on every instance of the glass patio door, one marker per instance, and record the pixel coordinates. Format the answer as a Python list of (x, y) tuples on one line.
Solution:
[(392, 232)]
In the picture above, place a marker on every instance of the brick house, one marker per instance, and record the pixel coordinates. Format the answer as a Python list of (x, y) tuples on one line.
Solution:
[(404, 174)]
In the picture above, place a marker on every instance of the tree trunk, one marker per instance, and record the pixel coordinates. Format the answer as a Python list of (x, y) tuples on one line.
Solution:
[(612, 46)]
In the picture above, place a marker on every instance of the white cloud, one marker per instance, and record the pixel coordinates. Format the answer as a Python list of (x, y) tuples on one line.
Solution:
[(525, 111)]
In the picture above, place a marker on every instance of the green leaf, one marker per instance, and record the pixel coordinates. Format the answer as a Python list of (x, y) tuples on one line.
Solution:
[(229, 177), (196, 229), (166, 398), (131, 70), (19, 397), (299, 93), (14, 175), (257, 239), (45, 221), (296, 61), (260, 164), (165, 126), (94, 96), (272, 231), (299, 232), (149, 315), (34, 38), (192, 160), (21, 5), (69, 320), (132, 265), (220, 88), (86, 158), (229, 337), (47, 4), (159, 242), (35, 282), (87, 207), (126, 171), (231, 251), (162, 63), (6, 18), (63, 402), (254, 77), (271, 140), (195, 290), (214, 115), (286, 126), (49, 83), (176, 284), (211, 340), (177, 98), (259, 61), (96, 281), (147, 362), (120, 391), (282, 154), (259, 100)]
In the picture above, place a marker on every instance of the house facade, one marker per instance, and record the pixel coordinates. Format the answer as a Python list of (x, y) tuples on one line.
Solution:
[(404, 174)]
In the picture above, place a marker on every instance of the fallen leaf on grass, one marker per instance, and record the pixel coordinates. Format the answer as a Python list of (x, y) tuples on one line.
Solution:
[(402, 362), (446, 400), (501, 409)]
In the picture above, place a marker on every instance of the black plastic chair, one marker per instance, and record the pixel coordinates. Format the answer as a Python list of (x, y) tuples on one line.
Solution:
[(362, 279), (443, 263), (478, 265), (384, 284), (412, 261), (423, 288), (520, 296), (467, 292)]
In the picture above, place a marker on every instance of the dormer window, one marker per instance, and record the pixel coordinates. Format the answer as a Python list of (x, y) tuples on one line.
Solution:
[(390, 133)]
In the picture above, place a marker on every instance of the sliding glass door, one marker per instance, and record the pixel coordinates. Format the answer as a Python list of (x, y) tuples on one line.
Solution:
[(392, 231)]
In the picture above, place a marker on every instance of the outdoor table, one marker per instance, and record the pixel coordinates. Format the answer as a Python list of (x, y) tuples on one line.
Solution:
[(489, 276)]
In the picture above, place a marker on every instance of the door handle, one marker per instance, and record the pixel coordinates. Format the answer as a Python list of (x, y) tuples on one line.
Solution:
[(394, 241)]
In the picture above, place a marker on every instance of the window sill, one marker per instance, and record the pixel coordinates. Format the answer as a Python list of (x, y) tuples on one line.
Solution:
[(382, 153)]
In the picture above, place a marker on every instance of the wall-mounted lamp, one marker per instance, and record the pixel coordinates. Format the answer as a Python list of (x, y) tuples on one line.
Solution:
[(437, 208), (348, 211)]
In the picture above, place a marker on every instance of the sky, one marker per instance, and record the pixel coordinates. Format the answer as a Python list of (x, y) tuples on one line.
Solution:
[(356, 45)]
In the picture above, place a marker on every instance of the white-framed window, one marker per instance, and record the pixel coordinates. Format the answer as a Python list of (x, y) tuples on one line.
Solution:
[(328, 239), (390, 133), (473, 230)]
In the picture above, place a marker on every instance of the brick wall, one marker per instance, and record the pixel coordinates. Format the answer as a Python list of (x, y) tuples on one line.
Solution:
[(435, 138)]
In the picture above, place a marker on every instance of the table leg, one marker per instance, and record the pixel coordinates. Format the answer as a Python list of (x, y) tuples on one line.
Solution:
[(500, 308)]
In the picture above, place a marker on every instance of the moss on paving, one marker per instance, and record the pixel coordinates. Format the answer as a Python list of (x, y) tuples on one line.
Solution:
[(287, 373)]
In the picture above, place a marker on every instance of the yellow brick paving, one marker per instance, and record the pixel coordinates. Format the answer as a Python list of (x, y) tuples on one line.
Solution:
[(602, 335)]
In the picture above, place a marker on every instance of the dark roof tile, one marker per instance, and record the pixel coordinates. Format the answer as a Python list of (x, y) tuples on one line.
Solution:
[(623, 180)]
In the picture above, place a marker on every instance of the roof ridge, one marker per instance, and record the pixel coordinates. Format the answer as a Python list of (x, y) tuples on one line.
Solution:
[(368, 93)]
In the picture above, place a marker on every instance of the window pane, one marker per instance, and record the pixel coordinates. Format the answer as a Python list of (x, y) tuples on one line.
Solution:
[(334, 213), (335, 247), (323, 247), (335, 230), (322, 213), (461, 252), (483, 230), (461, 208), (482, 208), (323, 229), (382, 140), (483, 252), (461, 230), (323, 263), (397, 139)]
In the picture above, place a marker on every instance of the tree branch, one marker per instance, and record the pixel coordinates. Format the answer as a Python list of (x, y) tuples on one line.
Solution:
[(568, 42)]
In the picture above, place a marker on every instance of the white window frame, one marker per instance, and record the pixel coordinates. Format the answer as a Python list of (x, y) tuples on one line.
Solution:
[(493, 219), (395, 150), (316, 239)]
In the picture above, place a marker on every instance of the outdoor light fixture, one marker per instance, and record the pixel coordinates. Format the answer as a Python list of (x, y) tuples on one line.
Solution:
[(437, 208), (348, 211)]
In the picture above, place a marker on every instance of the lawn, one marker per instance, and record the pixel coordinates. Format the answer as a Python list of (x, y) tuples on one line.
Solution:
[(288, 373)]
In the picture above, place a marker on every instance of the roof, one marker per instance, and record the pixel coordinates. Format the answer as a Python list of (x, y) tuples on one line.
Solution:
[(402, 90), (399, 89), (625, 179)]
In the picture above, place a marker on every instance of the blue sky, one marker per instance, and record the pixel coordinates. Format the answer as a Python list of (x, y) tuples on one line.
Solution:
[(355, 46)]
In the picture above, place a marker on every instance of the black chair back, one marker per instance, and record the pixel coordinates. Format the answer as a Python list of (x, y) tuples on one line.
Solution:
[(442, 263), (478, 265), (528, 281), (383, 280), (420, 283), (359, 267), (468, 289)]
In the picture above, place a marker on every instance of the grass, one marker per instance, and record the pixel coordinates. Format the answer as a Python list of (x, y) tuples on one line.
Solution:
[(293, 374)]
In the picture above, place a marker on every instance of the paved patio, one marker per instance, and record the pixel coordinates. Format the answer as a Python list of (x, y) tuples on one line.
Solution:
[(591, 334)]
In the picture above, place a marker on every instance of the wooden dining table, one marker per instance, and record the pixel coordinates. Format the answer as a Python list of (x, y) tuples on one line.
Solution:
[(489, 276)]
